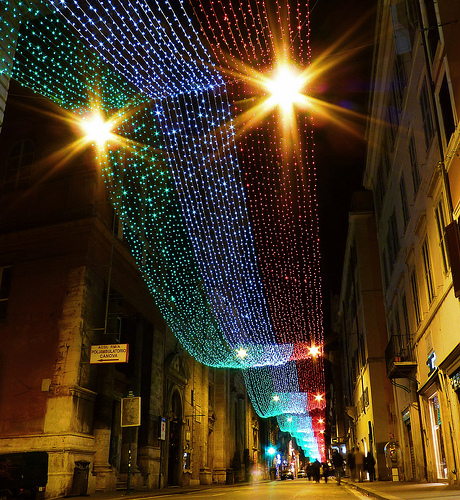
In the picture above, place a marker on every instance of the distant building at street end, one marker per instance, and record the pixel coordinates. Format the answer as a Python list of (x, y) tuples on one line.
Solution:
[(360, 321)]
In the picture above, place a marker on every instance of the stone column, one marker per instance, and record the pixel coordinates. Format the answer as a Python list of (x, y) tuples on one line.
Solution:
[(131, 434), (221, 460), (105, 475)]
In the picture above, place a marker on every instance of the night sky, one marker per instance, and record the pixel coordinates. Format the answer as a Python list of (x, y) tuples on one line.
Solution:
[(340, 152)]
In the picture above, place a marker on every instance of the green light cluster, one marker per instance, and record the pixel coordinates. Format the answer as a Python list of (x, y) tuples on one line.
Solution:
[(53, 63)]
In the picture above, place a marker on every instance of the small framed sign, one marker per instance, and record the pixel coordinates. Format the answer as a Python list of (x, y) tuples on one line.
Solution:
[(131, 412)]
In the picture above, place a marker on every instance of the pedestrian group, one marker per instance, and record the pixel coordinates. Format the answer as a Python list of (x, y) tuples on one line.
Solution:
[(356, 463)]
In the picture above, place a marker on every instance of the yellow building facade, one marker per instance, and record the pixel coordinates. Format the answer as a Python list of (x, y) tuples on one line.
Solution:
[(412, 169)]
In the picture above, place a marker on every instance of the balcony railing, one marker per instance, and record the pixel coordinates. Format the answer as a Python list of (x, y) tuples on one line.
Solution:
[(399, 356)]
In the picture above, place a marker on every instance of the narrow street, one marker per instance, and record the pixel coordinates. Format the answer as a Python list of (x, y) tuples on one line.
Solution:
[(275, 490), (229, 249)]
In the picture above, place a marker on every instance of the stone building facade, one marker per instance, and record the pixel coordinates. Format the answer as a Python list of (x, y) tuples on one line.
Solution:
[(69, 282)]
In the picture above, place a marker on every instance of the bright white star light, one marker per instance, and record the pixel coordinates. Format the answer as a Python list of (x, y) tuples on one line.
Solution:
[(286, 88), (97, 129), (241, 353)]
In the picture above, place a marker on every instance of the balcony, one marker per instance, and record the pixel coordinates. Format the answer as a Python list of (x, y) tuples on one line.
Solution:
[(399, 356)]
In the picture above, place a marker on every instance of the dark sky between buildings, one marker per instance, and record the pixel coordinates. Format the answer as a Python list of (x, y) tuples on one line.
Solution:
[(348, 27)]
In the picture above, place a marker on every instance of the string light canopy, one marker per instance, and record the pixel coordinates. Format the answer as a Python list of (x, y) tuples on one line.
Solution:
[(213, 177), (300, 427)]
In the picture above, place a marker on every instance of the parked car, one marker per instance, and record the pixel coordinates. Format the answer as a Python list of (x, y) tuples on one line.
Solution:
[(286, 474), (301, 473)]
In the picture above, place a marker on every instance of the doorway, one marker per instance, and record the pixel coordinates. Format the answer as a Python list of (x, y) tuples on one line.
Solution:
[(175, 441), (410, 444), (438, 439)]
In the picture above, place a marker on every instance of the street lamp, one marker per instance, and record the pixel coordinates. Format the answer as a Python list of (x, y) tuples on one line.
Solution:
[(270, 452), (97, 129), (286, 88), (241, 353), (314, 351)]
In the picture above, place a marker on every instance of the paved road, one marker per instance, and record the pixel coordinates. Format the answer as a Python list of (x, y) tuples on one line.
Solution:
[(275, 490)]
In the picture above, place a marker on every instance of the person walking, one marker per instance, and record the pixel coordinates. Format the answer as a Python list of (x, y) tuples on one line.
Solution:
[(359, 464), (351, 464), (309, 471), (337, 462), (370, 462), (316, 470), (325, 471)]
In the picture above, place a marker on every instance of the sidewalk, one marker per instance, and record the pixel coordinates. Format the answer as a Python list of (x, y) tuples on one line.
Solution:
[(394, 490)]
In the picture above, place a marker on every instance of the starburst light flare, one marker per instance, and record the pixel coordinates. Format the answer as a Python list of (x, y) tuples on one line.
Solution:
[(97, 129), (285, 89)]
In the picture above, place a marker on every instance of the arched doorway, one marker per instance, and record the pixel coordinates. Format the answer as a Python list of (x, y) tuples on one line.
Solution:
[(175, 441)]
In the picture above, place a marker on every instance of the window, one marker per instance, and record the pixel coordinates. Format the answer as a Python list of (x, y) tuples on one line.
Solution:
[(379, 190), (386, 162), (400, 81), (397, 322), (414, 164), (415, 296), (354, 267), (427, 116), (5, 284), (404, 23), (386, 272), (404, 206), (392, 121), (428, 271), (392, 240), (351, 288), (412, 17), (432, 27), (445, 103), (441, 226), (405, 314), (18, 166)]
